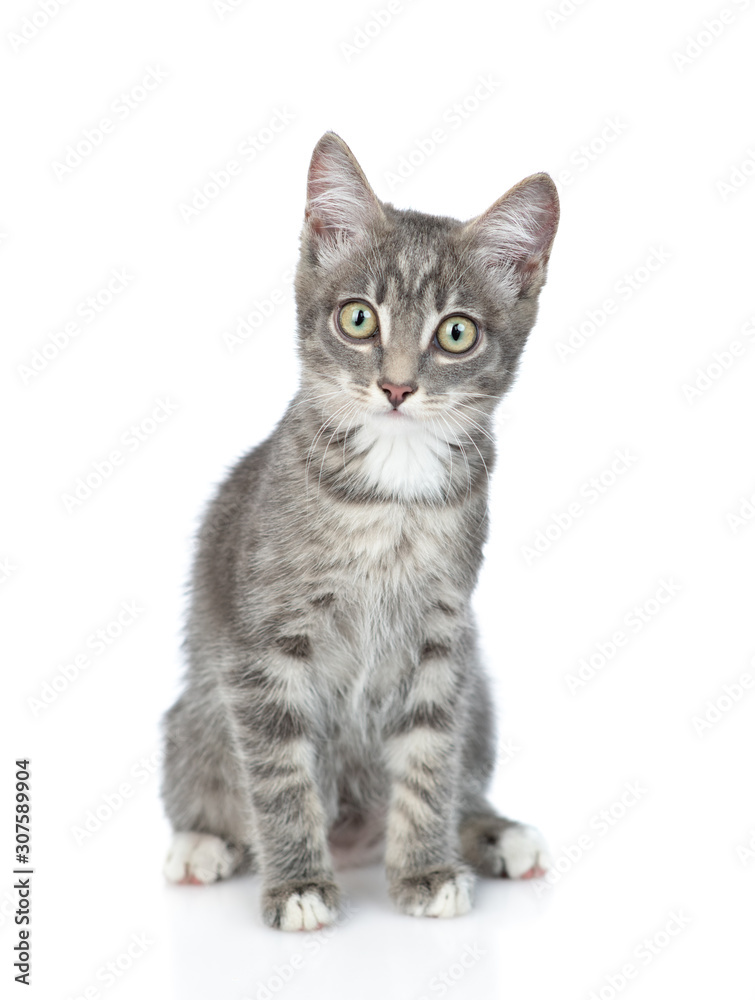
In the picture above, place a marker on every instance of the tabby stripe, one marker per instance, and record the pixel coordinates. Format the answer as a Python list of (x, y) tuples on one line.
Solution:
[(272, 722), (434, 651), (410, 820), (427, 716), (272, 770), (427, 795), (287, 803)]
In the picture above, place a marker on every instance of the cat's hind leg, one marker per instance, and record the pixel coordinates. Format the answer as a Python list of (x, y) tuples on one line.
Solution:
[(200, 858), (491, 844), (503, 848), (202, 795)]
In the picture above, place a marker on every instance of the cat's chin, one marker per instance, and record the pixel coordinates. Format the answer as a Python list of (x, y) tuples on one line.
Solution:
[(395, 422)]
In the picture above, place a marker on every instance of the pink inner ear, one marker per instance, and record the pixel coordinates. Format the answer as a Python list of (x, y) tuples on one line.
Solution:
[(523, 223), (316, 224), (515, 235), (319, 181), (340, 202)]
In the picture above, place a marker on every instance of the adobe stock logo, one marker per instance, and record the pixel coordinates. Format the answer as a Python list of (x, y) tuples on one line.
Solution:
[(600, 824), (467, 958), (719, 706), (624, 289), (221, 178), (261, 309), (634, 621), (745, 512), (119, 110), (95, 644), (85, 312), (558, 15), (590, 493), (34, 22), (7, 569), (109, 973), (374, 26), (130, 441), (720, 363), (738, 176), (587, 153), (225, 7), (644, 954), (452, 119), (111, 802), (712, 28)]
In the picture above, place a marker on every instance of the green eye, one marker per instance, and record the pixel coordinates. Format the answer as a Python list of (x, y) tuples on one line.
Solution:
[(357, 319), (456, 334)]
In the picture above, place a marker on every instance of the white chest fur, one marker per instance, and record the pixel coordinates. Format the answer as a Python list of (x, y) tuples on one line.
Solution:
[(403, 458)]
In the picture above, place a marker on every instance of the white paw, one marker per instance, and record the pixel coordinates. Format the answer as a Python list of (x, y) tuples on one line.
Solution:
[(198, 858), (451, 899), (524, 853), (306, 911)]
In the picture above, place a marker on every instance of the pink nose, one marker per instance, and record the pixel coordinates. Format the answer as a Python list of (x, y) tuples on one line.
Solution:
[(396, 393)]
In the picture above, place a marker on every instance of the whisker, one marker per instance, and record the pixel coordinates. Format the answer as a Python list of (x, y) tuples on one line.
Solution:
[(350, 403), (474, 443), (445, 418), (318, 435), (485, 433)]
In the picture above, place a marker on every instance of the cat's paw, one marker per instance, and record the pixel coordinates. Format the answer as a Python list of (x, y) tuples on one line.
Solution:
[(301, 906), (524, 852), (199, 858), (438, 892), (496, 846)]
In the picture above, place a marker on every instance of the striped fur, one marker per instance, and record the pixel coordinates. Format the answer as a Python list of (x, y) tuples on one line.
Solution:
[(334, 694)]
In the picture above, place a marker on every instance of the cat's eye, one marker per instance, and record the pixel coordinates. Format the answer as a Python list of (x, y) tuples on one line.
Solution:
[(457, 334), (357, 319)]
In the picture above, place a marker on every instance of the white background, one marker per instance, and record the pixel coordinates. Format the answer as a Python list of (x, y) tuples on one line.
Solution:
[(663, 133)]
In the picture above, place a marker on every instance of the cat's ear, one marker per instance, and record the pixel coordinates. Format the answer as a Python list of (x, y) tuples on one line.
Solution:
[(513, 238), (341, 206)]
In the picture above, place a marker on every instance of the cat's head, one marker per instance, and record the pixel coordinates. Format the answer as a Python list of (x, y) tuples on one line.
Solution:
[(412, 323)]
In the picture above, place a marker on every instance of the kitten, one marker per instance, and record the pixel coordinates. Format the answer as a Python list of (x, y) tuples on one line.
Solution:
[(335, 701)]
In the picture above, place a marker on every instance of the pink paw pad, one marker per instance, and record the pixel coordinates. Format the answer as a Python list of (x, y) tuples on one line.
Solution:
[(190, 880), (536, 872)]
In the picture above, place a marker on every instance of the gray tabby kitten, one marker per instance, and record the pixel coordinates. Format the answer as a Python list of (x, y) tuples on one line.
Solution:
[(335, 703)]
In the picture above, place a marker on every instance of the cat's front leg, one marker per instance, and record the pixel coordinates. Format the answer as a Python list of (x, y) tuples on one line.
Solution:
[(276, 741), (427, 876)]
